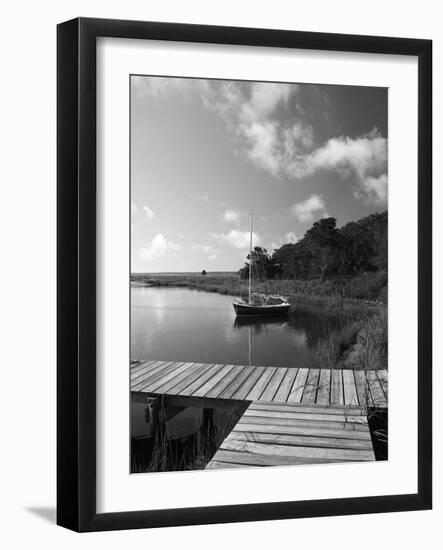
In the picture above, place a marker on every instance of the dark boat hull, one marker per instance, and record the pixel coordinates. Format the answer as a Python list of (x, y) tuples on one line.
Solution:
[(250, 309)]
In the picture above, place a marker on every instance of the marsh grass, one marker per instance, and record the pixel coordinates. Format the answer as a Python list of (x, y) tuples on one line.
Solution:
[(161, 453)]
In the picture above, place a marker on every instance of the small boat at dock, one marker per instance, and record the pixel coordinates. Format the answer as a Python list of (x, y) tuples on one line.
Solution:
[(259, 304)]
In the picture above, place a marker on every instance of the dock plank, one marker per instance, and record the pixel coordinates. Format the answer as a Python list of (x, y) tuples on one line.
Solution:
[(183, 384), (273, 384), (249, 459), (153, 376), (236, 383), (290, 451), (204, 377), (361, 384), (337, 424), (383, 378), (167, 374), (207, 386), (349, 389), (324, 387), (286, 385), (247, 386), (300, 407), (261, 383), (337, 397), (298, 386), (311, 387), (302, 440), (170, 385), (377, 393), (224, 382), (361, 435), (146, 370)]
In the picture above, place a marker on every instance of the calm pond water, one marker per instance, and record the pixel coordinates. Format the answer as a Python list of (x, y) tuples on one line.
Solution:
[(180, 324)]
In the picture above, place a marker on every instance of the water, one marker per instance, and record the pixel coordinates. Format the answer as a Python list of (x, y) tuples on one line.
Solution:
[(180, 324)]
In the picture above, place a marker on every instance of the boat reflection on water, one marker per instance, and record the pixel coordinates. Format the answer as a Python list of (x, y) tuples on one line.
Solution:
[(260, 322), (258, 325)]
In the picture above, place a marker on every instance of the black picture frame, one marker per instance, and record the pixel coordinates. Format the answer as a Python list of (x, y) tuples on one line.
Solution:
[(76, 266)]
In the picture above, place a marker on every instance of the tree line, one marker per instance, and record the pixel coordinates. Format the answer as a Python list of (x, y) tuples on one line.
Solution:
[(327, 251)]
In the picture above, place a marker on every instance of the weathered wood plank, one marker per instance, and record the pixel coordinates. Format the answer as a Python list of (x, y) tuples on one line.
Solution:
[(298, 386), (345, 417), (361, 435), (144, 381), (137, 367), (311, 387), (273, 384), (358, 425), (198, 382), (165, 376), (383, 379), (147, 370), (236, 383), (296, 451), (178, 388), (299, 407), (247, 386), (224, 382), (168, 386), (249, 459), (337, 397), (364, 397), (286, 385), (324, 387), (261, 383), (302, 440), (215, 465), (349, 389), (378, 396), (203, 390)]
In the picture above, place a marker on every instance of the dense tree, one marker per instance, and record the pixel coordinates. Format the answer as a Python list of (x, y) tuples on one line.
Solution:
[(326, 251)]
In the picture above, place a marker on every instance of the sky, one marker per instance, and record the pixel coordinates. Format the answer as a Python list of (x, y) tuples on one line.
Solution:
[(204, 153)]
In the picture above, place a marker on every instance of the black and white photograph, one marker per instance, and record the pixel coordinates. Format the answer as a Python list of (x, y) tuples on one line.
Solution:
[(258, 273)]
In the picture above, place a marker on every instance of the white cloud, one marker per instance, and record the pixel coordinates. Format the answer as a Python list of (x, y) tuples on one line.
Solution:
[(373, 189), (159, 246), (308, 210), (149, 213), (291, 237), (279, 140), (364, 158), (236, 238), (209, 250), (233, 216)]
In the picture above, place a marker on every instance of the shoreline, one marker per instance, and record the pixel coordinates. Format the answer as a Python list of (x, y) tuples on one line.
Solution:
[(232, 286)]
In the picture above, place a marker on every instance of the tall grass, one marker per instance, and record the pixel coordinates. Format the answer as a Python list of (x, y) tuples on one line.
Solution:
[(161, 453), (360, 344)]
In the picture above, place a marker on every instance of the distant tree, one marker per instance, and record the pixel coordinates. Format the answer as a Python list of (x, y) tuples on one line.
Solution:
[(204, 272), (323, 243), (326, 251), (357, 249), (263, 266)]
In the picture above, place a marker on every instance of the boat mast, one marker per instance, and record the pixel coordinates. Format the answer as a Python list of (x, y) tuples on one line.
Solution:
[(250, 257)]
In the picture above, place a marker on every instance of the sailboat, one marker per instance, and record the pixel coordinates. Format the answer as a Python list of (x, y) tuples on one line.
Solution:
[(259, 304)]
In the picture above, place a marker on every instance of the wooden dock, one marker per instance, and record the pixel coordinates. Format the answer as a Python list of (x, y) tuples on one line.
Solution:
[(294, 415), (272, 434), (270, 384)]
